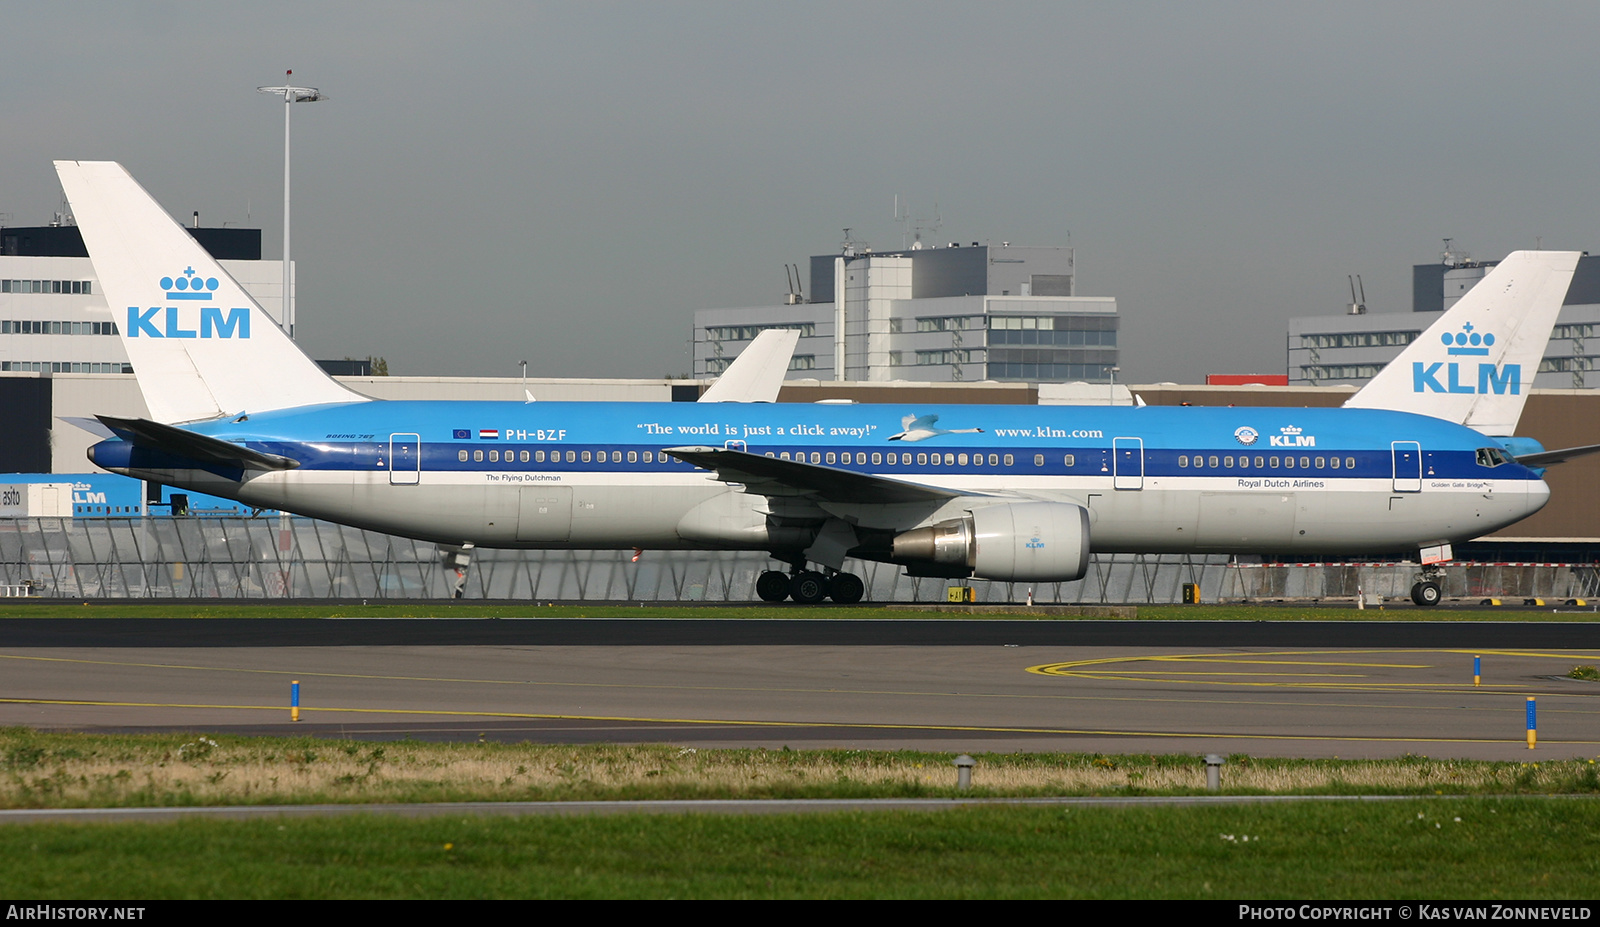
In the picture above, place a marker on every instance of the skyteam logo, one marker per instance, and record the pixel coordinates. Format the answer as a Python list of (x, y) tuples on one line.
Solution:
[(1466, 343), (1291, 436), (185, 322), (1246, 435)]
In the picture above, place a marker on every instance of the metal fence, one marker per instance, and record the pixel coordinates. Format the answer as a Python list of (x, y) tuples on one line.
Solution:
[(285, 558)]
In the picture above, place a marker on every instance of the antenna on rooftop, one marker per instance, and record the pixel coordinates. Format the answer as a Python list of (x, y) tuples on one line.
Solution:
[(797, 293), (1358, 306)]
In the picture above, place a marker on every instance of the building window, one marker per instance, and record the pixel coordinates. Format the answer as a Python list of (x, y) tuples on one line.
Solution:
[(748, 332)]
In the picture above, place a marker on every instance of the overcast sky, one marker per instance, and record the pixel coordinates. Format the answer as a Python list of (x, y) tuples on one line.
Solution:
[(567, 183)]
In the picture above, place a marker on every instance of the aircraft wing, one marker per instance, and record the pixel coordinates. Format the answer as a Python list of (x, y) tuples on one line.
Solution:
[(774, 477), (171, 440), (1546, 458), (757, 373)]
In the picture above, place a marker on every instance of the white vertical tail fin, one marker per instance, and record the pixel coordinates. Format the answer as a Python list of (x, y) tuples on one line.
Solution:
[(199, 345), (1476, 363), (757, 373)]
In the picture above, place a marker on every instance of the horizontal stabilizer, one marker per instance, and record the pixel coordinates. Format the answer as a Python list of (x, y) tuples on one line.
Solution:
[(1547, 458), (771, 476), (757, 373), (171, 440), (92, 426)]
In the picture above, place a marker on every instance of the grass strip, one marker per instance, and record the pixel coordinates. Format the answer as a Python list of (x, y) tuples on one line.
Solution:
[(1457, 848), (71, 770)]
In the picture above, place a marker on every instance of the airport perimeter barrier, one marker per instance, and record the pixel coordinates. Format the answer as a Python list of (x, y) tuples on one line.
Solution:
[(285, 558)]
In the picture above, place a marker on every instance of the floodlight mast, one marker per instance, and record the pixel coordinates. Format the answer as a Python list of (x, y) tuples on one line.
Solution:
[(290, 95)]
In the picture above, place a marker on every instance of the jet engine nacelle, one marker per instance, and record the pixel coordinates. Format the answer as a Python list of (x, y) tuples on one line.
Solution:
[(1044, 542)]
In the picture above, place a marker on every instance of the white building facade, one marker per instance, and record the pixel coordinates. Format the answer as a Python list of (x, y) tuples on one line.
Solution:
[(931, 314)]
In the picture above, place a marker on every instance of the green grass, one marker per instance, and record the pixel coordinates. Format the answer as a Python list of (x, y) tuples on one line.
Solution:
[(1469, 848), (13, 608), (64, 770)]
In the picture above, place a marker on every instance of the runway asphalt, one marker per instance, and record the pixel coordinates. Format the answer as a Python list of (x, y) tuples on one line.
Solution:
[(1346, 689)]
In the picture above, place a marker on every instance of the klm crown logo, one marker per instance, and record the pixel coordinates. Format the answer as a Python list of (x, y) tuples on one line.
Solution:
[(1291, 436), (186, 322), (1468, 342), (189, 286), (1425, 378)]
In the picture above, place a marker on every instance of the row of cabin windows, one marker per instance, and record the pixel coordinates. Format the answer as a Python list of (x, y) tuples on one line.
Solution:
[(555, 456), (923, 459), (833, 457), (1286, 463)]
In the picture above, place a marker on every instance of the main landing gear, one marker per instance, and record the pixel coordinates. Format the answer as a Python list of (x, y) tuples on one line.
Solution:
[(809, 587), (1426, 593)]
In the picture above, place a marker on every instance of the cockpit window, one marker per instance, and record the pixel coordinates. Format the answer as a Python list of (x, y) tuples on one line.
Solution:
[(1492, 457)]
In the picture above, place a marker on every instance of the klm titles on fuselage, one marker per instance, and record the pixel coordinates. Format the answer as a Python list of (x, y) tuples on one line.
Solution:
[(207, 322)]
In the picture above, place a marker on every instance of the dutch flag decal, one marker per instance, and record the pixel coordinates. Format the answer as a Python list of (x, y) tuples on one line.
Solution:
[(488, 434)]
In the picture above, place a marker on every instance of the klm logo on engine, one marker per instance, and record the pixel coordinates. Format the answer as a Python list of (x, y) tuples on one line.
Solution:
[(185, 321), (1459, 377)]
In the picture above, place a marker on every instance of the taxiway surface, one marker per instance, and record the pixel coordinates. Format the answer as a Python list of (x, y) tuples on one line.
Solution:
[(1285, 689)]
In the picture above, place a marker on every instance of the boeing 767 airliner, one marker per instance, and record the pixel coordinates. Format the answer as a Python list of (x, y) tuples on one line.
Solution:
[(1419, 458)]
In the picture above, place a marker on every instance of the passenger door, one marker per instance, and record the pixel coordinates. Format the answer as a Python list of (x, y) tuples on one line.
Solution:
[(1407, 465), (405, 459), (1127, 463)]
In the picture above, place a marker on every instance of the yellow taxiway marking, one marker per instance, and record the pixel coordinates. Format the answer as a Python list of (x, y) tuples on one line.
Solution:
[(746, 722), (1116, 668)]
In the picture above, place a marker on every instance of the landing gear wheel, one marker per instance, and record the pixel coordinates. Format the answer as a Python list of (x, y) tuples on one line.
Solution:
[(772, 586), (846, 588), (1425, 594), (808, 587)]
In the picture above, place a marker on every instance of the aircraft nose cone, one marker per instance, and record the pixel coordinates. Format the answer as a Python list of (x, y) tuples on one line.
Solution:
[(1538, 495)]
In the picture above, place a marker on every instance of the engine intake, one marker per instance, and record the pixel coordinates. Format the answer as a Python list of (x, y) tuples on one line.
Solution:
[(1017, 542)]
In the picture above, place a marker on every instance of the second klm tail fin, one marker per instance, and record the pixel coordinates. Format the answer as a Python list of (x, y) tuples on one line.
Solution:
[(1476, 363), (200, 346)]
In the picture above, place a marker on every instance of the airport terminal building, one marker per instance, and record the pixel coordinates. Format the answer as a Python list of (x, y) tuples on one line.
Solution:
[(937, 314)]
